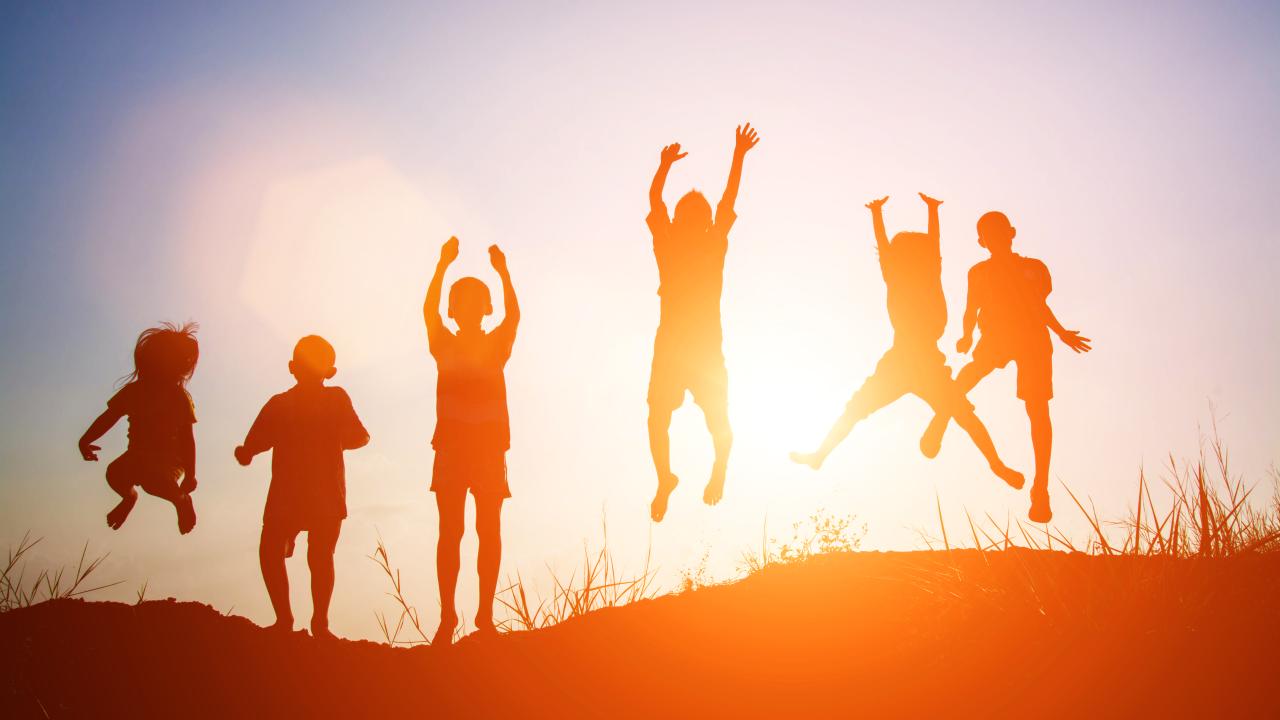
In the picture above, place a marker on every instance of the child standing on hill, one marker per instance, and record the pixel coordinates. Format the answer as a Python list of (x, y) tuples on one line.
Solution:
[(912, 270), (162, 446), (1008, 304), (472, 433), (307, 428)]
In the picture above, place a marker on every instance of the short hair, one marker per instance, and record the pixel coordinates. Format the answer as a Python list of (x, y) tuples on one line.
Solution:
[(994, 220), (467, 291), (167, 352), (315, 353), (693, 208)]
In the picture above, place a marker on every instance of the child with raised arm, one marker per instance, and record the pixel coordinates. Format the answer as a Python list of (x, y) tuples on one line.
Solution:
[(912, 270), (307, 428), (162, 446), (1008, 304), (472, 434), (690, 249)]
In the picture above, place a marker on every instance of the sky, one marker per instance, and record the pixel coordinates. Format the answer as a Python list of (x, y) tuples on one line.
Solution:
[(276, 172)]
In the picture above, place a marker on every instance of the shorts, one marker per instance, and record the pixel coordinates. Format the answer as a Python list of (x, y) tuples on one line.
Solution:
[(1035, 367), (484, 473), (321, 536), (677, 369), (140, 469), (923, 373)]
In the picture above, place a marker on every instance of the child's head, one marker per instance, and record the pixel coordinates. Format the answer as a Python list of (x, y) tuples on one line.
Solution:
[(469, 302), (995, 232), (166, 353), (313, 359), (693, 213)]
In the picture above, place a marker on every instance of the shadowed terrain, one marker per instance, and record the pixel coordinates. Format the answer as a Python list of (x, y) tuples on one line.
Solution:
[(1000, 633)]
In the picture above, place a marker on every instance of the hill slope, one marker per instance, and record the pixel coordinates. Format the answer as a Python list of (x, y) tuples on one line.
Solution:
[(871, 634)]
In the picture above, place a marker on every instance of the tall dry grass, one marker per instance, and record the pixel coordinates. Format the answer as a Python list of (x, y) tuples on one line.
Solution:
[(18, 590)]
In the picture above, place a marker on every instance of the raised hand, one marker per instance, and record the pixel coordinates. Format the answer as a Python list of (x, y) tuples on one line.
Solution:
[(449, 251), (963, 344), (497, 259), (1073, 340), (89, 452), (745, 138), (875, 205), (930, 201), (671, 153)]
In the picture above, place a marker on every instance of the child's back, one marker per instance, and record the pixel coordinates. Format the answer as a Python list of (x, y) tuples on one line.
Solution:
[(912, 269), (307, 427), (158, 414)]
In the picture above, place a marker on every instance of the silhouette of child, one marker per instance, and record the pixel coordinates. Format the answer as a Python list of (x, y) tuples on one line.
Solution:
[(472, 435), (307, 428), (162, 446), (690, 250), (912, 270), (1007, 303)]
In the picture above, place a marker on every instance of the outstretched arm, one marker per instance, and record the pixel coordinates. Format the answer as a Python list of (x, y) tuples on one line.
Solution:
[(670, 154), (877, 222), (1070, 338), (745, 138), (934, 233), (511, 307), (431, 307), (97, 429)]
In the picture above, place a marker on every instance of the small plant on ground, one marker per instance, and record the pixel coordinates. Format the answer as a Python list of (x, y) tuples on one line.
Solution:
[(822, 533), (17, 590)]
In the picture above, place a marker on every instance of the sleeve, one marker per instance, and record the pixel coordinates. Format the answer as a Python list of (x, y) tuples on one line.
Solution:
[(725, 217), (1044, 282), (353, 432), (262, 434), (122, 401)]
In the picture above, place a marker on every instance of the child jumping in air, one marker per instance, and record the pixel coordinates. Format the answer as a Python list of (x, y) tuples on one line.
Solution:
[(912, 270), (472, 434), (690, 249), (1008, 304), (162, 446), (307, 428)]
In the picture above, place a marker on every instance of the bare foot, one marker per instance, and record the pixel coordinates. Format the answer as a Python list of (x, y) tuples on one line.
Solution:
[(1012, 477), (444, 633), (715, 489), (658, 509), (931, 440), (813, 460), (485, 627), (186, 514), (1040, 511), (321, 632), (121, 511)]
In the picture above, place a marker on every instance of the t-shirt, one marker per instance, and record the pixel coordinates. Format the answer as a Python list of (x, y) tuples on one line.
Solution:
[(306, 428), (691, 275), (471, 392), (912, 269), (1011, 297), (160, 414)]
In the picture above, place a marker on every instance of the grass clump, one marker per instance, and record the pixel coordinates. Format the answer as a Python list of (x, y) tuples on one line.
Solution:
[(18, 590)]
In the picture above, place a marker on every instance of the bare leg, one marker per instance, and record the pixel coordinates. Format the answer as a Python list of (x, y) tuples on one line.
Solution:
[(489, 557), (321, 545), (874, 394), (968, 378), (272, 548), (1042, 443), (717, 418), (452, 506), (981, 438), (168, 489), (120, 481), (660, 448)]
